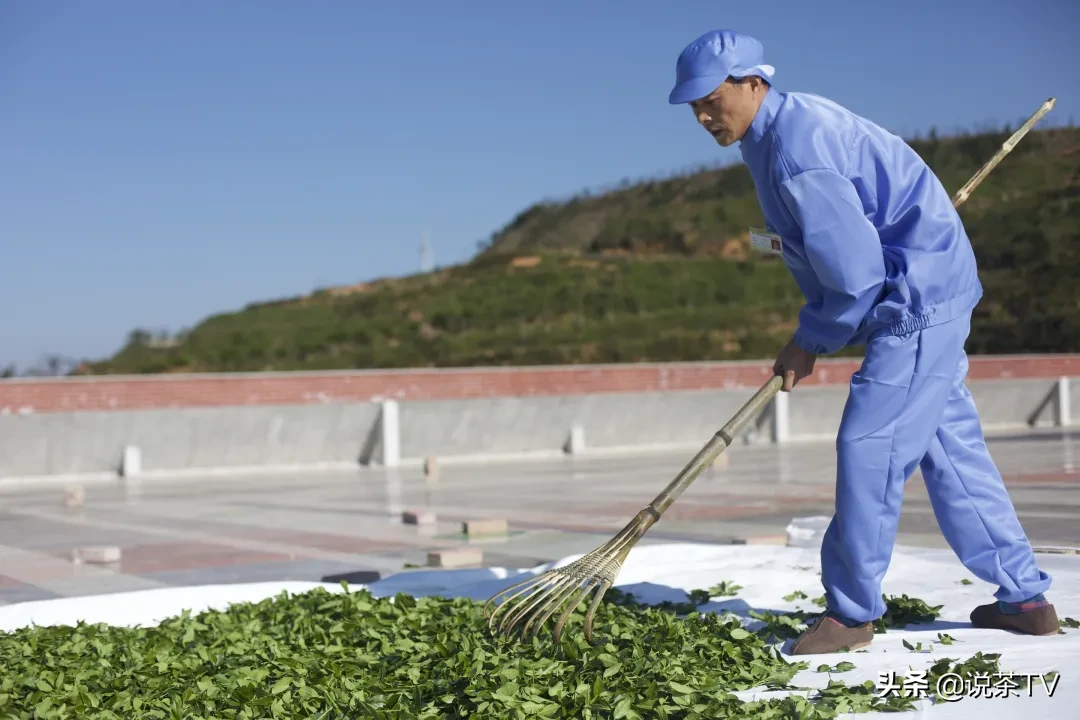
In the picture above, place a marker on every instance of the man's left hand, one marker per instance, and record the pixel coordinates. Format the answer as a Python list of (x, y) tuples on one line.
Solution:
[(793, 364)]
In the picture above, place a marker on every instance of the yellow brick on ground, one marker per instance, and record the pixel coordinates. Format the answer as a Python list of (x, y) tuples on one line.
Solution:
[(455, 558), (98, 555), (431, 469), (485, 527), (418, 517), (761, 540), (75, 496)]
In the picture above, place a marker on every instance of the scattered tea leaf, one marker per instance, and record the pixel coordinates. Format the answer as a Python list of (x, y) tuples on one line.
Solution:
[(842, 666), (901, 611), (724, 589), (350, 654)]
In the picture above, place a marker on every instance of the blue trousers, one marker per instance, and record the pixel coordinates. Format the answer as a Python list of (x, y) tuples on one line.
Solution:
[(908, 406)]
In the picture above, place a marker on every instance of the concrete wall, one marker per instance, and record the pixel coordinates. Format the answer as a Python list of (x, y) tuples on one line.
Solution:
[(815, 412), (94, 442), (352, 433), (499, 426)]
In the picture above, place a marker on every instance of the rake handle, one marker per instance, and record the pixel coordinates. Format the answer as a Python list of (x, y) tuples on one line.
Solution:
[(716, 445), (1006, 147), (726, 435)]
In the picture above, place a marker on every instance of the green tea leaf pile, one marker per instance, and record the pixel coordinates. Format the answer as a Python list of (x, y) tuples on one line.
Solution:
[(335, 655)]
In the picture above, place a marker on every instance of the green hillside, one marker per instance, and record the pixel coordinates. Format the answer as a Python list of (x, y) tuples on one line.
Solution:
[(658, 270)]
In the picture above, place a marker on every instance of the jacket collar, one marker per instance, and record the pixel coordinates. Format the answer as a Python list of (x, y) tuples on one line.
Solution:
[(763, 120)]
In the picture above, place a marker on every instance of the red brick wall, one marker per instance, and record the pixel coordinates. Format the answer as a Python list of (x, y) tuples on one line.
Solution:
[(179, 391)]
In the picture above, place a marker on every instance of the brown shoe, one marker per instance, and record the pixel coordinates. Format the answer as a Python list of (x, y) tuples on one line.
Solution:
[(828, 635), (1040, 621)]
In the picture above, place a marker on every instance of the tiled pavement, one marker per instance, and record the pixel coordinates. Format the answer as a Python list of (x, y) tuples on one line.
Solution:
[(303, 527)]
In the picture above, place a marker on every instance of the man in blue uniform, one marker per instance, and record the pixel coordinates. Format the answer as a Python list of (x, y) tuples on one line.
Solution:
[(883, 261)]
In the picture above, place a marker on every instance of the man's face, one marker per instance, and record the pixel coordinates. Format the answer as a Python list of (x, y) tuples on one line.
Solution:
[(727, 112)]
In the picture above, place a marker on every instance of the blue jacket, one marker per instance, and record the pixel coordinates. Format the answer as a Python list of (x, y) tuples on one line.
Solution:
[(868, 231)]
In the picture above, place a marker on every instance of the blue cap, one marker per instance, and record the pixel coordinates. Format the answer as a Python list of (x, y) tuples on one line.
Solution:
[(710, 59)]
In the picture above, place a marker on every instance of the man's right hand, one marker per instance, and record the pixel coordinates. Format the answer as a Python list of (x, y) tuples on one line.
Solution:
[(793, 364)]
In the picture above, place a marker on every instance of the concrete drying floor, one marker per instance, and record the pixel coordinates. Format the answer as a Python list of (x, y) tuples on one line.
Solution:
[(203, 530)]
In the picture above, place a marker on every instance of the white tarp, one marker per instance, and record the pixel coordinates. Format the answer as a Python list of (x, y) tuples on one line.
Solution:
[(766, 574)]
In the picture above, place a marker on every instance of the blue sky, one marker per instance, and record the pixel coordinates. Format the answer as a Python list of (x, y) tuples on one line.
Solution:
[(160, 162)]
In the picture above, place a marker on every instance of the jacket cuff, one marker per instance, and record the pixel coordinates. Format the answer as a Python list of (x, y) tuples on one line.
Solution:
[(807, 343)]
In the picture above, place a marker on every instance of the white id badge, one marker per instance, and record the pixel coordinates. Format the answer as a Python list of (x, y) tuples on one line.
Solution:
[(766, 242)]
